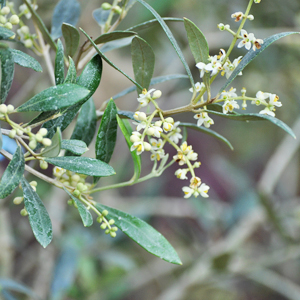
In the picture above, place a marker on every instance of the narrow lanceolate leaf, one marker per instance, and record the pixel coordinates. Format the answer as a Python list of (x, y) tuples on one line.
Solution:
[(66, 11), (207, 131), (171, 38), (255, 117), (71, 74), (26, 60), (5, 34), (107, 133), (55, 97), (82, 165), (59, 68), (40, 24), (127, 130), (12, 174), (143, 61), (38, 216), (117, 44), (89, 78), (152, 22), (112, 36), (127, 114), (154, 81), (84, 213), (7, 72), (85, 126), (108, 61), (143, 234), (71, 36), (252, 54), (75, 146), (54, 149), (198, 46)]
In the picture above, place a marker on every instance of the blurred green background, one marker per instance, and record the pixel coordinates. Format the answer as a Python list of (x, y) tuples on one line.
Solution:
[(235, 245)]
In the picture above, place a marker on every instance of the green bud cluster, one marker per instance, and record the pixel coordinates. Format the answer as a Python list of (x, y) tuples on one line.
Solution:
[(7, 18), (39, 138), (107, 225)]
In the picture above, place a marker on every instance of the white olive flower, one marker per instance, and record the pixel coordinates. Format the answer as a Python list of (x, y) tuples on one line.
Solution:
[(199, 86), (24, 9), (145, 97), (247, 40), (158, 154), (229, 106), (138, 146), (203, 190), (175, 134), (156, 144), (203, 118), (181, 173)]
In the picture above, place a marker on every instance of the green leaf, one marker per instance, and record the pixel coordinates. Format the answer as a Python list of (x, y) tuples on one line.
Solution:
[(26, 60), (40, 24), (5, 34), (59, 70), (143, 61), (154, 81), (127, 114), (84, 213), (108, 61), (54, 149), (171, 38), (85, 126), (127, 130), (43, 116), (66, 11), (72, 37), (198, 45), (91, 75), (82, 165), (152, 22), (251, 54), (7, 72), (90, 79), (55, 97), (12, 174), (107, 133), (255, 117), (75, 146), (112, 36), (143, 234), (38, 216), (207, 131), (72, 73), (2, 3), (117, 44)]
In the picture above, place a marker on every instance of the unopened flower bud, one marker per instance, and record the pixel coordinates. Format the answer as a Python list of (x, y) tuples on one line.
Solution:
[(10, 108), (170, 120), (106, 6), (18, 200), (24, 212), (150, 131), (28, 43), (5, 10), (221, 26), (12, 133), (70, 202), (43, 131), (105, 213), (3, 20), (75, 177), (117, 9), (32, 144), (46, 142), (250, 17), (76, 193), (99, 219), (134, 138), (33, 183), (8, 25), (147, 146), (107, 231), (14, 20), (111, 222), (39, 137), (3, 108), (114, 229), (157, 94), (103, 226), (158, 123), (24, 29), (112, 234), (43, 165), (142, 116), (19, 132)]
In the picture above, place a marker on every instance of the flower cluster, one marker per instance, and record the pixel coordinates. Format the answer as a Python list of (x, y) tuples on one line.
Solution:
[(185, 154), (8, 18)]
